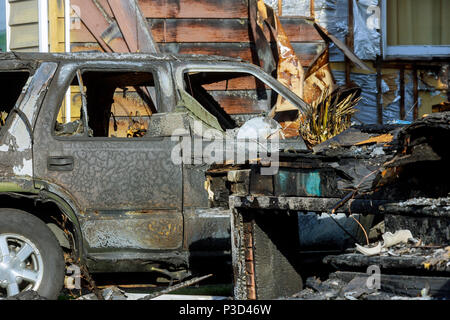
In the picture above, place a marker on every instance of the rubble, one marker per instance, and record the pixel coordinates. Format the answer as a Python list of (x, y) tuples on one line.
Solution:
[(404, 257), (115, 293), (26, 295), (354, 286)]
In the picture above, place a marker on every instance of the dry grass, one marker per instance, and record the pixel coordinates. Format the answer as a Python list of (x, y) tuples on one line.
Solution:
[(327, 118)]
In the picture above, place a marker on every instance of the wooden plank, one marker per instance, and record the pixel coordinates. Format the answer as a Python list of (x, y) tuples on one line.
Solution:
[(211, 9), (211, 30), (106, 7), (224, 30), (241, 83), (264, 53), (305, 51), (134, 26), (94, 24), (85, 46)]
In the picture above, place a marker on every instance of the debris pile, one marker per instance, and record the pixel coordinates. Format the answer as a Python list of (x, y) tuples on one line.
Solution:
[(25, 295), (398, 268), (357, 286), (115, 293)]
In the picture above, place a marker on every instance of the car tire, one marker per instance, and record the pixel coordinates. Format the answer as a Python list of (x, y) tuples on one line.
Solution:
[(45, 266)]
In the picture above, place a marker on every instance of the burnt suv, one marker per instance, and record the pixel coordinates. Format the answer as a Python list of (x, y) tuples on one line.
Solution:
[(88, 147)]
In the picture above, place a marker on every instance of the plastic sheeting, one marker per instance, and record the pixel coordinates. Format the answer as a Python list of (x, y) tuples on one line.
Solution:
[(367, 107), (333, 15), (366, 15)]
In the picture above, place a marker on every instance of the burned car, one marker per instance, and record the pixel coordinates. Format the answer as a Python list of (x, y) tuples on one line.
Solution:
[(87, 163)]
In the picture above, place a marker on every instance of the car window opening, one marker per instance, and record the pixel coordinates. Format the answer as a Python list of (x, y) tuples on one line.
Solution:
[(226, 93), (119, 104), (11, 85)]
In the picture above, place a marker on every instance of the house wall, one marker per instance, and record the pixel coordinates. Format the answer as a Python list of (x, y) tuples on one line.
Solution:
[(222, 28), (23, 20)]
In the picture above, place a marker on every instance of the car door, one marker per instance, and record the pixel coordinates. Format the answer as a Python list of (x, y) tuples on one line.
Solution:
[(111, 163)]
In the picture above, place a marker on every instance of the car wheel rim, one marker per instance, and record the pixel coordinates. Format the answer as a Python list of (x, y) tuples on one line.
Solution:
[(21, 264)]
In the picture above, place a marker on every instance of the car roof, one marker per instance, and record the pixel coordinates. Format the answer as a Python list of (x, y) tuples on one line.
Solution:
[(92, 56)]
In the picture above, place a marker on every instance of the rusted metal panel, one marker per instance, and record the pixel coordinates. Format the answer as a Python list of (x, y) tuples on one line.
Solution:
[(138, 230), (346, 50), (207, 230), (194, 193), (306, 52), (120, 188)]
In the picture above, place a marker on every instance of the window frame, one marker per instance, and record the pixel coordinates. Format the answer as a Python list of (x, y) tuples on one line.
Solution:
[(408, 51), (83, 69), (239, 67)]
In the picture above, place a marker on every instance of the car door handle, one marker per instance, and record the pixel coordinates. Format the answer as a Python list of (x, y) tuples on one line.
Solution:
[(60, 163)]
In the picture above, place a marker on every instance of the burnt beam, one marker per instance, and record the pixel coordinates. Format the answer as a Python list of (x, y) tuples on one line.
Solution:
[(307, 204)]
